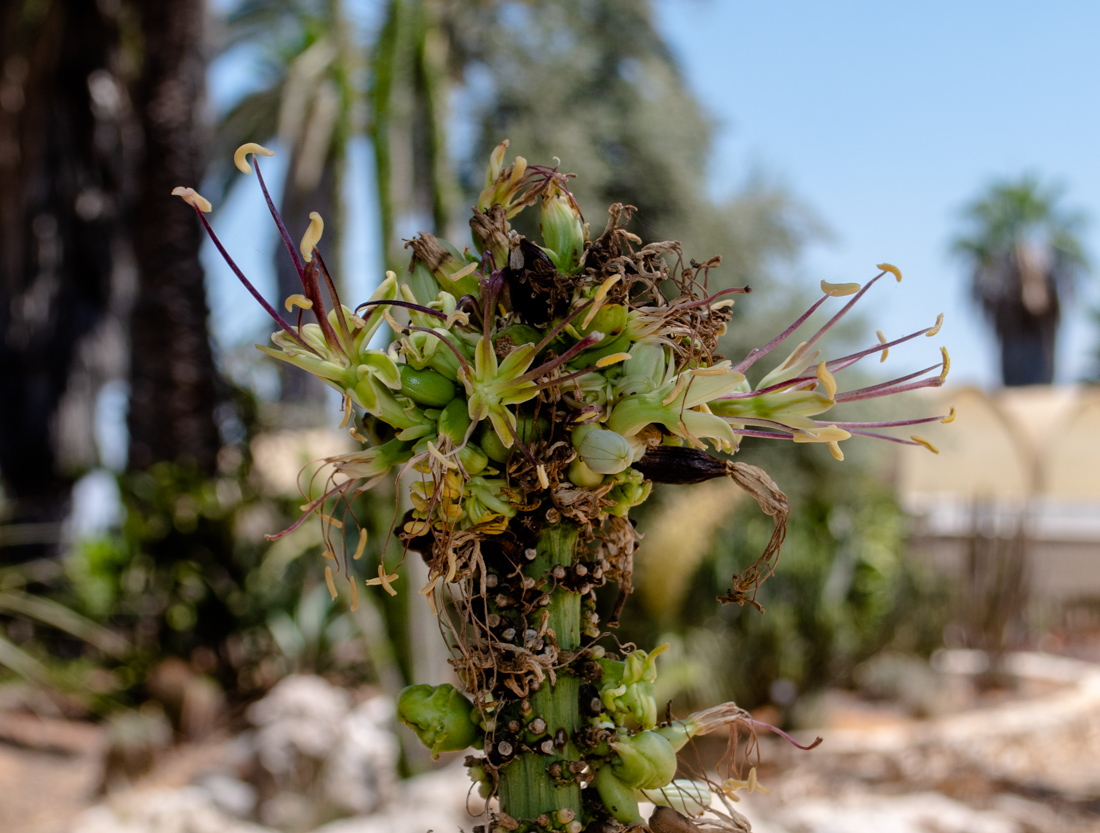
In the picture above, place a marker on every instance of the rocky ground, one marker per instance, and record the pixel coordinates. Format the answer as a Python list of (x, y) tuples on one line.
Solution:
[(318, 759)]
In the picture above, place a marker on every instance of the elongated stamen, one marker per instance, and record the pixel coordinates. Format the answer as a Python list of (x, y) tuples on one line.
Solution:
[(405, 305), (561, 325), (546, 367), (847, 426), (847, 361), (248, 285), (768, 435), (816, 337), (758, 353), (888, 438), (313, 292), (889, 388), (283, 233), (336, 305)]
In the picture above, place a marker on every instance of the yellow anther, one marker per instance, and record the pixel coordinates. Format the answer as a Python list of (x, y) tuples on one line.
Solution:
[(354, 596), (950, 417), (354, 432), (725, 303), (243, 151), (347, 411), (544, 480), (312, 236), (936, 328), (362, 545), (385, 580), (330, 582), (331, 521), (834, 449), (587, 416), (614, 358), (446, 462), (329, 554), (946, 364), (925, 443), (825, 376), (598, 299), (885, 350), (821, 434), (461, 273), (892, 269), (298, 300), (193, 198), (839, 290)]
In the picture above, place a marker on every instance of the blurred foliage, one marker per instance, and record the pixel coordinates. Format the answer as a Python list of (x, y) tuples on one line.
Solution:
[(841, 592), (189, 575)]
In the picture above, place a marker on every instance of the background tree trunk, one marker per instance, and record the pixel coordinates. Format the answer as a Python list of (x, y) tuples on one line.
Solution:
[(64, 116), (173, 382)]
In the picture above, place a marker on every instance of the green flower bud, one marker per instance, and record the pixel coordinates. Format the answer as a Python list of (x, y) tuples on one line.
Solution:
[(610, 319), (603, 451), (422, 282), (645, 760), (492, 446), (563, 230), (454, 421), (473, 459), (677, 733), (618, 799), (582, 476), (427, 387), (440, 716)]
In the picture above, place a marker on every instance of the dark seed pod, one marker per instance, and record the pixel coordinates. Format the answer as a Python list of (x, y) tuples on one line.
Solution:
[(680, 464)]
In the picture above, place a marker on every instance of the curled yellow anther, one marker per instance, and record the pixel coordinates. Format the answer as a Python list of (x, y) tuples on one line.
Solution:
[(834, 449), (936, 328), (885, 350), (330, 582), (362, 545), (544, 480), (193, 198), (386, 580), (725, 303), (946, 364), (825, 376), (312, 236), (614, 358), (298, 300), (598, 299), (243, 151), (891, 268), (839, 290), (925, 443), (950, 417)]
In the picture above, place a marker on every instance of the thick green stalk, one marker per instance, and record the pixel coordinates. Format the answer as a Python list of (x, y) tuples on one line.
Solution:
[(527, 789)]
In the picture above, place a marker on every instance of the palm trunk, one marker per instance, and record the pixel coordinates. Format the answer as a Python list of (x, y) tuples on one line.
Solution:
[(63, 130), (173, 388)]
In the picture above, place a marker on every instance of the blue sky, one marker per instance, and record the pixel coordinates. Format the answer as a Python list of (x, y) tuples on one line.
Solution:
[(885, 118)]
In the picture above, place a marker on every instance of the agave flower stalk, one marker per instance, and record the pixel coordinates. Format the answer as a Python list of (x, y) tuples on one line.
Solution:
[(534, 396)]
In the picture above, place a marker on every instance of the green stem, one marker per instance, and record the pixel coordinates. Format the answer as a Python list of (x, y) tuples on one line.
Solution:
[(527, 789)]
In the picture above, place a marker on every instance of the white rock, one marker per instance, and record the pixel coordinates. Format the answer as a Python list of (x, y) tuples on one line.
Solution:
[(912, 813), (184, 810)]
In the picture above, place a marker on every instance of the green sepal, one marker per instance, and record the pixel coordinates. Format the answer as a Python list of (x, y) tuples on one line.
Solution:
[(441, 717)]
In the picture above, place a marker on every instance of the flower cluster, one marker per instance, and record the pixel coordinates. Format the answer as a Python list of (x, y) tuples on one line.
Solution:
[(532, 385)]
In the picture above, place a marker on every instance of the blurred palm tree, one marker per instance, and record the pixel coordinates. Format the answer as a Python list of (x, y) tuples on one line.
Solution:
[(65, 142), (1024, 252)]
